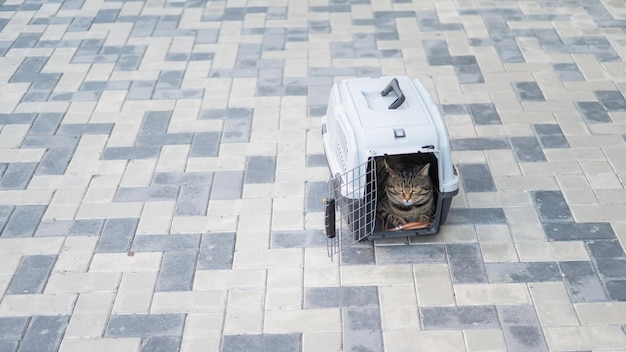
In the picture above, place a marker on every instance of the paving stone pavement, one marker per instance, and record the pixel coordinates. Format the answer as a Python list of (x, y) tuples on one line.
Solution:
[(162, 169)]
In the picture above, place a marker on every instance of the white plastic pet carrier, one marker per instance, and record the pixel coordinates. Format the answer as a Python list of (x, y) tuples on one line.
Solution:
[(366, 119)]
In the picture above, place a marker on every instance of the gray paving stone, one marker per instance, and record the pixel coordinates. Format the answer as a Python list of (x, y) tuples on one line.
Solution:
[(551, 136), (130, 153), (117, 235), (44, 141), (182, 178), (32, 274), (80, 227), (611, 268), (17, 119), (582, 282), (465, 216), (227, 185), (315, 192), (362, 329), (147, 194), (264, 342), (193, 199), (361, 253), (527, 149), (476, 178), (177, 271), (612, 100), (593, 112), (528, 91), (205, 144), (18, 175), (5, 212), (413, 254), (605, 249), (521, 327), (260, 169), (568, 72), (313, 160), (55, 161), (616, 290), (165, 243), (437, 52), (216, 251), (523, 272), (484, 143), (5, 345), (466, 263), (161, 344), (340, 297), (145, 325), (44, 334), (24, 221), (12, 328), (460, 317), (298, 239), (79, 129), (236, 130), (153, 140), (46, 123), (552, 206), (570, 231)]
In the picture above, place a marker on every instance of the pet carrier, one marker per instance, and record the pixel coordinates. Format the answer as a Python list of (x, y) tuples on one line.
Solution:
[(368, 119)]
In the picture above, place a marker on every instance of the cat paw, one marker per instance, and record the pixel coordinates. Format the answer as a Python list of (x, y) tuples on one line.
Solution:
[(424, 218)]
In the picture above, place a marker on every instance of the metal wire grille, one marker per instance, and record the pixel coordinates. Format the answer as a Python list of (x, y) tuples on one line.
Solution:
[(351, 207)]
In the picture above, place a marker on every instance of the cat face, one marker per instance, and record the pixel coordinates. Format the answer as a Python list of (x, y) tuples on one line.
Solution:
[(408, 185)]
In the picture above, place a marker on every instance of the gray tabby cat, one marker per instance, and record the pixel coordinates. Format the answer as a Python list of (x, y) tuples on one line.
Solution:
[(405, 193)]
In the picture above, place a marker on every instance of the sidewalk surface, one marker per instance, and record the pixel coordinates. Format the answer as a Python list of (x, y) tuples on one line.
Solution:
[(162, 170)]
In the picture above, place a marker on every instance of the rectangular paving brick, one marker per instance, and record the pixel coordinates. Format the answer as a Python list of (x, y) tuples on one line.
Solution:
[(46, 123), (528, 91), (568, 72), (205, 144), (521, 327), (193, 199), (485, 143), (484, 114), (264, 342), (145, 325), (81, 227), (315, 192), (611, 268), (32, 274), (461, 317), (466, 216), (571, 231), (605, 249), (612, 100), (17, 175), (163, 243), (582, 282), (551, 136), (298, 239), (12, 328), (216, 251), (44, 333), (260, 169), (466, 263), (117, 235), (340, 297), (523, 272), (527, 149), (177, 271), (55, 161), (161, 344), (23, 221), (593, 112), (362, 328), (551, 206), (476, 178), (147, 194), (413, 254), (227, 185)]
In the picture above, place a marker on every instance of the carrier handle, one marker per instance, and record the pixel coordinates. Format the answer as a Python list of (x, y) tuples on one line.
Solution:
[(395, 86), (329, 218)]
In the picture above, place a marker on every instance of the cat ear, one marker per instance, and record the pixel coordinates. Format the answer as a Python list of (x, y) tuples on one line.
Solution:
[(423, 171), (389, 167)]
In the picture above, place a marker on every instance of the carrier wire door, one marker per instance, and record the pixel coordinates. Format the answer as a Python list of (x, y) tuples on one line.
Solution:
[(350, 207)]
